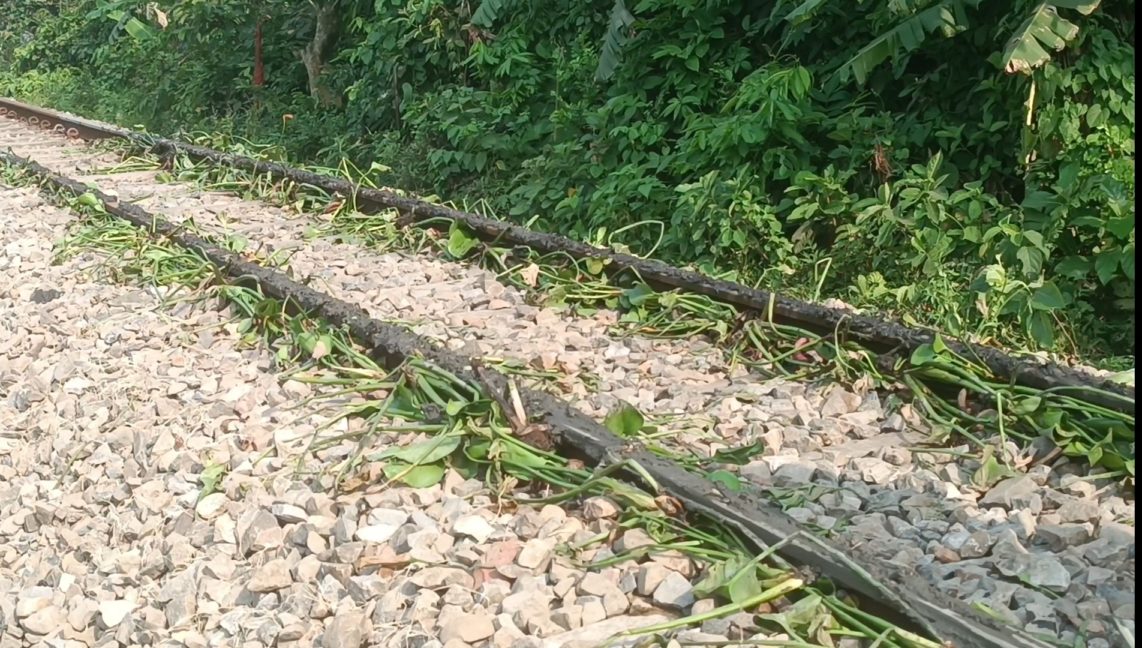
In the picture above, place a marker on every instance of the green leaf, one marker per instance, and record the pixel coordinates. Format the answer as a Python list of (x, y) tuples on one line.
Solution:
[(322, 347), (424, 452), (519, 456), (739, 455), (1042, 329), (625, 422), (923, 355), (1039, 200), (1048, 419), (1085, 7), (613, 41), (1043, 30), (1122, 227), (1074, 267), (743, 585), (716, 577), (726, 479), (210, 477), (1035, 238), (637, 294), (487, 12), (990, 471), (1032, 260), (137, 29), (1106, 264), (947, 17), (938, 345), (1025, 406), (460, 242), (796, 618), (1048, 298), (1094, 455), (804, 11), (421, 476), (1094, 116), (478, 449)]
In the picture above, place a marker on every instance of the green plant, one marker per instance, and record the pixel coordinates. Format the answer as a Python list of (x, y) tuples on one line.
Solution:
[(767, 141)]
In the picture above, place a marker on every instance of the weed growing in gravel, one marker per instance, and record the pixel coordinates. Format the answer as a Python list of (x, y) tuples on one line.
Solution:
[(477, 432), (958, 397)]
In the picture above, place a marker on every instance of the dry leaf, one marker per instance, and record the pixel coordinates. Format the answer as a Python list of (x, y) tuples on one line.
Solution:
[(320, 350), (160, 16), (537, 436), (530, 275), (670, 505)]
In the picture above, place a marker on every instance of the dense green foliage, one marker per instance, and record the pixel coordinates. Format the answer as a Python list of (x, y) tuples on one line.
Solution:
[(934, 159)]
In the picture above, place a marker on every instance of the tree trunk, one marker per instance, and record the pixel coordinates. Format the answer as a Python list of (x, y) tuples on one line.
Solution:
[(313, 56)]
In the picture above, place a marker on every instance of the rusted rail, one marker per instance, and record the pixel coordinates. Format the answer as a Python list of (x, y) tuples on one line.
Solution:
[(874, 333)]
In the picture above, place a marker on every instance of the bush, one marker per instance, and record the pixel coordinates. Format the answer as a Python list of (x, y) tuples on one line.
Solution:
[(872, 151)]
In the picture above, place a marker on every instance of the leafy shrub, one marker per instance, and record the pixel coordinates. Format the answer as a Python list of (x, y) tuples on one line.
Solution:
[(873, 151)]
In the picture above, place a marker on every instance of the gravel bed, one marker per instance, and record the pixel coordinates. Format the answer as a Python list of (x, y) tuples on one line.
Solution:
[(1051, 549), (112, 414)]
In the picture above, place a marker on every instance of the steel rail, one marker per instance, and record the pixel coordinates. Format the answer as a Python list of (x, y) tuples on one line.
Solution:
[(876, 333), (890, 590)]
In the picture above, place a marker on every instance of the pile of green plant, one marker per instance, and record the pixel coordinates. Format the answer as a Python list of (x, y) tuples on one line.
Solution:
[(959, 397), (958, 164)]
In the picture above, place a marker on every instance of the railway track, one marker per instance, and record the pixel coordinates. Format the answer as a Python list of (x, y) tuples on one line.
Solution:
[(909, 533)]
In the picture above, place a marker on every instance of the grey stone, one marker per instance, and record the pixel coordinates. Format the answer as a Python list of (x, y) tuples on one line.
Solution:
[(366, 587), (376, 533), (387, 517), (112, 612), (976, 545), (469, 628), (1105, 552), (44, 620), (1013, 492), (1061, 536), (568, 617), (348, 629), (794, 473), (1047, 572), (596, 584), (1078, 510), (872, 470), (31, 600), (288, 513), (632, 539), (254, 527), (473, 526), (345, 527), (272, 576), (839, 401), (674, 591), (179, 596), (440, 577), (600, 508)]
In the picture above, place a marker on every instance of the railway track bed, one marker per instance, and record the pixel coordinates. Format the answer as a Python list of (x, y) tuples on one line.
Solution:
[(249, 521)]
